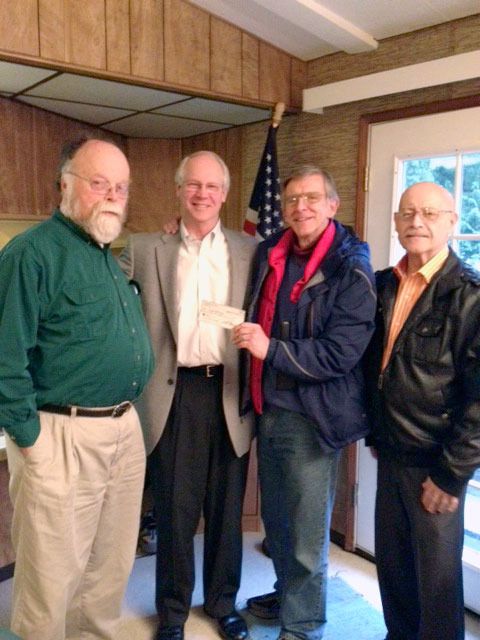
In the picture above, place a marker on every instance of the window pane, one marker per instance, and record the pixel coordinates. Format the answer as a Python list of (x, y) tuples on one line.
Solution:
[(470, 208), (439, 169), (469, 250), (472, 515)]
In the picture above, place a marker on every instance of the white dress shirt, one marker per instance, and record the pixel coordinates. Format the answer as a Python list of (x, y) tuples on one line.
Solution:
[(203, 273)]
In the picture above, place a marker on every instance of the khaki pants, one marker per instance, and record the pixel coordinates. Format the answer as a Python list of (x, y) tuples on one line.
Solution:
[(76, 500)]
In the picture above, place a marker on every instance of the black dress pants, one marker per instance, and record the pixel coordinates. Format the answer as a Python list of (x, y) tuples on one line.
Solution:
[(194, 469), (419, 558)]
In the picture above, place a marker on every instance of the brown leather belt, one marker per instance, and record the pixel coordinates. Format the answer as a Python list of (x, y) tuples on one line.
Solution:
[(85, 412)]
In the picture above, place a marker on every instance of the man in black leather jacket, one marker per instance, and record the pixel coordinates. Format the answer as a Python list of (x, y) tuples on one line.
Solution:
[(423, 377)]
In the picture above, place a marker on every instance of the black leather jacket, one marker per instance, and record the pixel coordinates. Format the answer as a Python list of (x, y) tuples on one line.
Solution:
[(424, 409)]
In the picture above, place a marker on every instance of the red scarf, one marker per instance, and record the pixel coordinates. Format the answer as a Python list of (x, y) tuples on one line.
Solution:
[(277, 260)]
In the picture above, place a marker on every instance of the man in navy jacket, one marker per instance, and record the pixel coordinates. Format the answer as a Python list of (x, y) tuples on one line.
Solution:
[(310, 320)]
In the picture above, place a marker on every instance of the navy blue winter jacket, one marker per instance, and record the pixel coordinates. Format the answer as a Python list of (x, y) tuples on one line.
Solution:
[(331, 328)]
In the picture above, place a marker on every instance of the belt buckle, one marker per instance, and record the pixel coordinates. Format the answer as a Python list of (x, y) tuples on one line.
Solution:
[(121, 408), (208, 370)]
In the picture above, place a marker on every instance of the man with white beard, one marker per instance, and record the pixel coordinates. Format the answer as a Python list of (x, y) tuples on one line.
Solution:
[(74, 355)]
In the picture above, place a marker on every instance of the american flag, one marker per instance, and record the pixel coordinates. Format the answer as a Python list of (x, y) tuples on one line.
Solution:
[(264, 213)]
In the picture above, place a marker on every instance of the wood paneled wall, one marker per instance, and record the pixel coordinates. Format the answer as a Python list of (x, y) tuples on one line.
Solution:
[(30, 143), (152, 198), (145, 42)]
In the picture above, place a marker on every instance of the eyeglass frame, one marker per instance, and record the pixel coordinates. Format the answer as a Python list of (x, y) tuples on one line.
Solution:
[(427, 214), (294, 199), (105, 190), (212, 188)]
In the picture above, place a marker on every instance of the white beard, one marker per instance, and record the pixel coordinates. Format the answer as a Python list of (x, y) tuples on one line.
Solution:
[(104, 223), (105, 227)]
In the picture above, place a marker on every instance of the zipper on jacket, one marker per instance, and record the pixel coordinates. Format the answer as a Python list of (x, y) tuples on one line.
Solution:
[(380, 381)]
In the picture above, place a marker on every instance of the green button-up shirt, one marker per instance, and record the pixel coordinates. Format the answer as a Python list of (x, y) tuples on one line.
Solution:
[(71, 327)]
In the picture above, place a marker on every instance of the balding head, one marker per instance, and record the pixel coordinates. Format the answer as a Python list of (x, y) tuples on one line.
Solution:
[(424, 222)]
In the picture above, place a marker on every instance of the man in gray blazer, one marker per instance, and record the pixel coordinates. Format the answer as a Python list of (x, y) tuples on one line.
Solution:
[(197, 442)]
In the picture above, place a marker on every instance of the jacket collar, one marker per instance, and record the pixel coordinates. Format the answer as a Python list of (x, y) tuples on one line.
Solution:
[(449, 277)]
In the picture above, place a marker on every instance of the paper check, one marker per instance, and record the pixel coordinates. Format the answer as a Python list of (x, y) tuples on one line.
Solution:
[(221, 314)]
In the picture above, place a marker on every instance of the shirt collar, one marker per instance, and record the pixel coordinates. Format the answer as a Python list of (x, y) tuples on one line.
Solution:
[(78, 230), (428, 270), (212, 237)]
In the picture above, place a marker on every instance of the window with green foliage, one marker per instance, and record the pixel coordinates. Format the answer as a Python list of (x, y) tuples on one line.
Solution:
[(460, 174)]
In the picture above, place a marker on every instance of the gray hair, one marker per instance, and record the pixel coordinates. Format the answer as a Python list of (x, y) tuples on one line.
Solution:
[(311, 170), (180, 172)]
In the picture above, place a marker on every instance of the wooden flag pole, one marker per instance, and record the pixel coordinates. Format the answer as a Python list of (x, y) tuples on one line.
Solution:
[(277, 114)]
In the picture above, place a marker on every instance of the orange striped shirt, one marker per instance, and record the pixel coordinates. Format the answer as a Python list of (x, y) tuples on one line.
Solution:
[(409, 291)]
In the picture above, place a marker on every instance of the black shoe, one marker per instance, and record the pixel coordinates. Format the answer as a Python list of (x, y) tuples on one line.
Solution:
[(173, 632), (266, 606), (233, 627)]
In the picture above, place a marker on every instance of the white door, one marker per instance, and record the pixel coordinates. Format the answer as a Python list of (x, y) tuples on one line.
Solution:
[(390, 145)]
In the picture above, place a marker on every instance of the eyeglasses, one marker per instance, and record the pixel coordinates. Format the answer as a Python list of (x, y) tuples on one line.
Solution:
[(313, 197), (428, 214), (103, 186), (210, 187)]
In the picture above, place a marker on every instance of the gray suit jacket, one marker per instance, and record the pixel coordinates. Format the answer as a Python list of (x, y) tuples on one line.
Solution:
[(151, 260)]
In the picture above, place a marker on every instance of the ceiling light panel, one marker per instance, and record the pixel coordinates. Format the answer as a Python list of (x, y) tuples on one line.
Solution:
[(104, 92), (223, 112), (84, 112), (17, 77), (149, 125)]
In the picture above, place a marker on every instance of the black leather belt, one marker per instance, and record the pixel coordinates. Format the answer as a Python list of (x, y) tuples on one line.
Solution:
[(204, 370), (84, 412)]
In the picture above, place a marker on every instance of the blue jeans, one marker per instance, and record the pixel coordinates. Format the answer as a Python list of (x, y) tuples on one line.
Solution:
[(297, 482)]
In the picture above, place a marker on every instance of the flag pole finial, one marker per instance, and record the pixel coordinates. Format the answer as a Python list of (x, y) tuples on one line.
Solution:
[(278, 113)]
